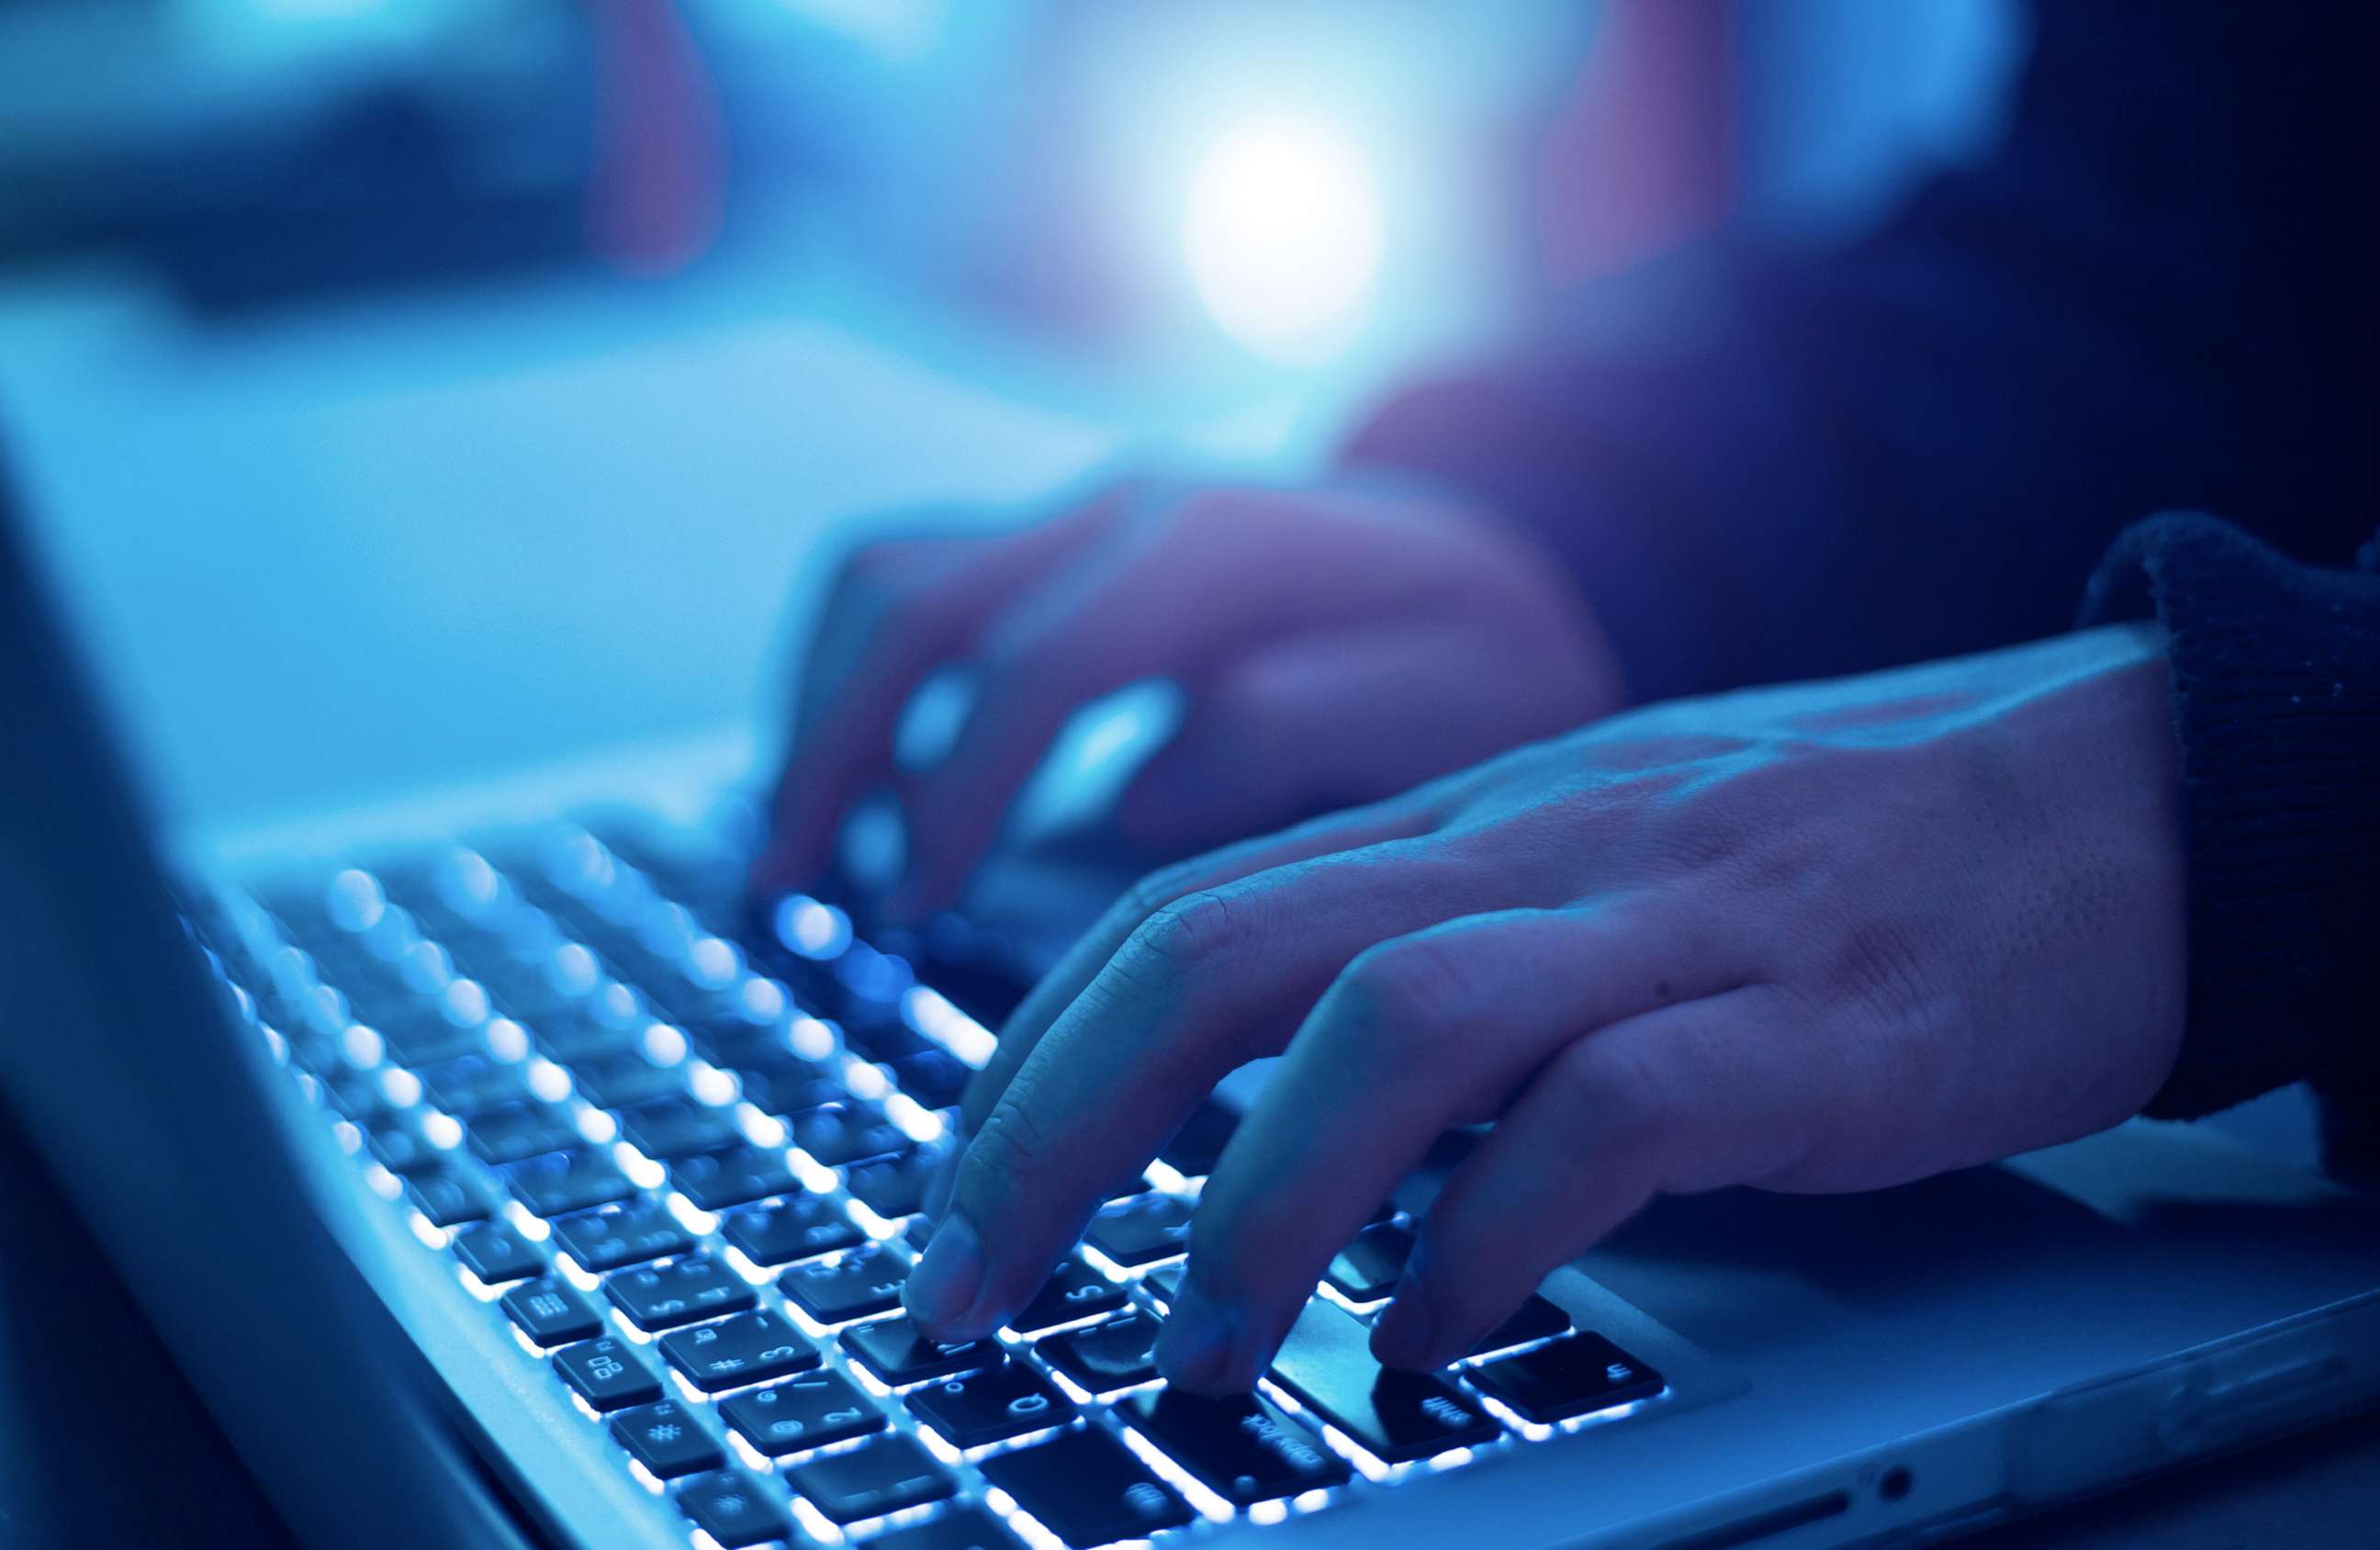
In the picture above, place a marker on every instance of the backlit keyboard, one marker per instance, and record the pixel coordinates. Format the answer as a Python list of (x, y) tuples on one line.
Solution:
[(682, 1146)]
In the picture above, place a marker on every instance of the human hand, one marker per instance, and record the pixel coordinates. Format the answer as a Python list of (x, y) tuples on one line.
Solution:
[(1335, 647), (1818, 937)]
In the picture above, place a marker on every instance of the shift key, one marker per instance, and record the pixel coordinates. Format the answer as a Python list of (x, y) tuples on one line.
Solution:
[(1326, 1365)]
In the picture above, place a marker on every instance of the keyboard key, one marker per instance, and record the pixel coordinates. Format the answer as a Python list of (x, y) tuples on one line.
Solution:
[(731, 1176), (558, 1182), (1569, 1378), (799, 1228), (893, 1187), (358, 1095), (625, 1081), (1083, 1487), (684, 1290), (1199, 1144), (1005, 1400), (893, 1351), (607, 1021), (630, 1234), (884, 1476), (837, 1134), (862, 1282), (1367, 1269), (515, 1131), (809, 1412), (399, 1146), (1327, 1363), (1243, 1449), (676, 1127), (1536, 1319), (666, 1440), (426, 1038), (1106, 1356), (472, 1085), (550, 1314), (447, 1197), (734, 1509), (962, 1528), (1075, 1291), (788, 1087), (1141, 1231), (934, 1077), (496, 1255), (607, 1374), (881, 1036), (732, 1040), (1165, 1281), (734, 1351)]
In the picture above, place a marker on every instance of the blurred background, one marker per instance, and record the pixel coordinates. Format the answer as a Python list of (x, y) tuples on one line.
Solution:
[(411, 388)]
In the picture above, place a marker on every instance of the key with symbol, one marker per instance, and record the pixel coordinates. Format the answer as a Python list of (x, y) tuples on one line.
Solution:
[(736, 1352), (896, 1351), (1244, 1450), (550, 1314), (734, 1509), (496, 1255), (811, 1410), (619, 1235), (666, 1440), (606, 1374), (1007, 1401), (1327, 1363), (731, 1175), (800, 1227), (867, 1280), (1575, 1375), (1073, 1291), (682, 1291), (1106, 1356)]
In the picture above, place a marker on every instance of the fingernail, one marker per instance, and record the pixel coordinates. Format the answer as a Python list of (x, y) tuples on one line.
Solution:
[(948, 1277), (1195, 1348), (1405, 1336)]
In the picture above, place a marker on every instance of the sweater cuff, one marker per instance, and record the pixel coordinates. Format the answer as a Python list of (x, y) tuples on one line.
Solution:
[(2276, 671)]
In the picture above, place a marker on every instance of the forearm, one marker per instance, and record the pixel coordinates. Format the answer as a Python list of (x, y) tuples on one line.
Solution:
[(2276, 671), (1795, 467)]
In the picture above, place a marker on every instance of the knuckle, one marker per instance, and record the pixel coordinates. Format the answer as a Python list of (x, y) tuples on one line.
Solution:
[(1408, 992), (1009, 1147), (1621, 1091), (1187, 933), (1156, 891)]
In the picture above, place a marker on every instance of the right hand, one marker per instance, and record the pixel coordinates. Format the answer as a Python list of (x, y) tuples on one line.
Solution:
[(1335, 646)]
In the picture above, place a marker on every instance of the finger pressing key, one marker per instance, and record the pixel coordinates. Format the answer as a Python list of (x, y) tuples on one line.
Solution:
[(1435, 1028), (1205, 985)]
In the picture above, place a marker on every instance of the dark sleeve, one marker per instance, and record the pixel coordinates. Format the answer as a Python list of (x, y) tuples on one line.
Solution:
[(2276, 702), (1763, 465)]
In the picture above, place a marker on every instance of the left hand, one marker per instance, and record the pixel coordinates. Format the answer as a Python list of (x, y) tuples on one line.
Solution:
[(1818, 937)]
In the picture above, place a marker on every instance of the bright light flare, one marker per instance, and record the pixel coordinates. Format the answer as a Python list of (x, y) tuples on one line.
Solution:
[(1285, 234)]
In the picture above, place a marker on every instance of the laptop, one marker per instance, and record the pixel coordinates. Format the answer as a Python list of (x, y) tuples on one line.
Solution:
[(501, 1174)]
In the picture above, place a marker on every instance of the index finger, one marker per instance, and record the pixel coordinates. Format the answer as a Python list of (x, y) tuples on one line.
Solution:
[(1437, 1028), (896, 611), (1398, 817), (1204, 986)]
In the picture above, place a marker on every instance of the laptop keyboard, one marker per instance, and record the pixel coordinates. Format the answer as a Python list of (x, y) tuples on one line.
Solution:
[(683, 1150)]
